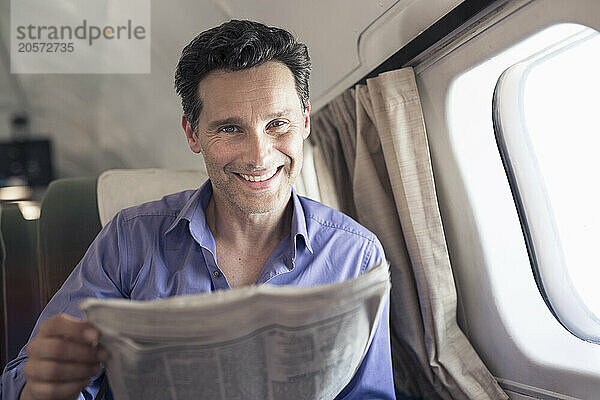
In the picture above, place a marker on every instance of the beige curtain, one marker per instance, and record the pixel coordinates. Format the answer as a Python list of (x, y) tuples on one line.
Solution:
[(372, 140)]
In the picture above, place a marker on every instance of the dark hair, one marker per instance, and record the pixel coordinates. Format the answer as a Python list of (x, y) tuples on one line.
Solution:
[(233, 46)]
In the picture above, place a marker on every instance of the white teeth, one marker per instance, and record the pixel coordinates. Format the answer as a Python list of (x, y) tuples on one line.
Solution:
[(260, 178)]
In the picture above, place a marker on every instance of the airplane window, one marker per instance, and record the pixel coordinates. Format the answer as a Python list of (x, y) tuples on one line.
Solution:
[(546, 121)]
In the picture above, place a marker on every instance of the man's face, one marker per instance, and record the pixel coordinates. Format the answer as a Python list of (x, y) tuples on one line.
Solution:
[(250, 131)]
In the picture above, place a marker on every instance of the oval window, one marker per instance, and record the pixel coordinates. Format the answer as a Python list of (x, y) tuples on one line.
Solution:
[(546, 110)]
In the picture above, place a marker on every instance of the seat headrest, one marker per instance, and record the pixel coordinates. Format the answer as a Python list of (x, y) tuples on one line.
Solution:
[(122, 188)]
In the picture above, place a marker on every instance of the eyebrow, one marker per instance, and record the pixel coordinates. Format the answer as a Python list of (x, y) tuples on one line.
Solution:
[(280, 114), (239, 121)]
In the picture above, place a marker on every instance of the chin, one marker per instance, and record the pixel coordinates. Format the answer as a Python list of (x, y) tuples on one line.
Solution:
[(262, 205)]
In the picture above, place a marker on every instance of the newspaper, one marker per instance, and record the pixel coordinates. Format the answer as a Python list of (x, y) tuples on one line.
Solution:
[(258, 342)]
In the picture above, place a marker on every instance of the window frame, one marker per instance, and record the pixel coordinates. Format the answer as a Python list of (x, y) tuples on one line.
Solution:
[(534, 210)]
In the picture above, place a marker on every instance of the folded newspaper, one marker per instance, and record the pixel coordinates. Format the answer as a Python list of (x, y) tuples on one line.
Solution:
[(258, 342)]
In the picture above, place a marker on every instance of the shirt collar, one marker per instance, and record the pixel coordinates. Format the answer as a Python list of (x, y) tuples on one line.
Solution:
[(299, 223), (194, 212)]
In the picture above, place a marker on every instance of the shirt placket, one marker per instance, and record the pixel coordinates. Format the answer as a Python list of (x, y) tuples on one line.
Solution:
[(216, 275)]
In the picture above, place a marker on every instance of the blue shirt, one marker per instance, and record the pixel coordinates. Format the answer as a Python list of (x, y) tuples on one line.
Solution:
[(165, 248)]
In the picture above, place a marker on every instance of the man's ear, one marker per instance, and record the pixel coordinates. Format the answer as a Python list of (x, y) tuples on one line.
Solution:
[(306, 116), (192, 138)]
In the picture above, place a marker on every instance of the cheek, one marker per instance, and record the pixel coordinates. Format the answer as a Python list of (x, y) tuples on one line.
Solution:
[(291, 145), (215, 159), (292, 148)]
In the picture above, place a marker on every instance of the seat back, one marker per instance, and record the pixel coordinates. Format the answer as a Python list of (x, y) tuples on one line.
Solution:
[(73, 211), (122, 188), (20, 281), (68, 224)]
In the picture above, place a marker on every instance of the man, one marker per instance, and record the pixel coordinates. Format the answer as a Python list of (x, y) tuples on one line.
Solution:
[(244, 90)]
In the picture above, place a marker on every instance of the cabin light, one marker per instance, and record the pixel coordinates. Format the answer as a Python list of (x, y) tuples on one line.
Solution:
[(29, 209), (11, 193)]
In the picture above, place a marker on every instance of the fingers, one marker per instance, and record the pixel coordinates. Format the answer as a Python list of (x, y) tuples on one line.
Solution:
[(55, 371), (62, 358), (58, 349), (70, 328)]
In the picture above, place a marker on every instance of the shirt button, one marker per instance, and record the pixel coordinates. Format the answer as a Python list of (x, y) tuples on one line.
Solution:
[(216, 273)]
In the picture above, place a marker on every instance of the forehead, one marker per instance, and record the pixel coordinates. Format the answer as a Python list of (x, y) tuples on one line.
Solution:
[(266, 88)]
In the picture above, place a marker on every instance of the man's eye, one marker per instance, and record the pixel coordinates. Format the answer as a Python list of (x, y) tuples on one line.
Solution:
[(228, 129), (278, 124)]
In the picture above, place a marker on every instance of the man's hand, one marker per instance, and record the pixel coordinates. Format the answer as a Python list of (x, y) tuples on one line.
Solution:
[(62, 358)]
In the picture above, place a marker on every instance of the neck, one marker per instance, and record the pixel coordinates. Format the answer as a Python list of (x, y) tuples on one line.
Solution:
[(232, 227)]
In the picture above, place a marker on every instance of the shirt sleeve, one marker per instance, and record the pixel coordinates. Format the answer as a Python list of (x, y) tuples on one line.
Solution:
[(374, 378), (98, 274)]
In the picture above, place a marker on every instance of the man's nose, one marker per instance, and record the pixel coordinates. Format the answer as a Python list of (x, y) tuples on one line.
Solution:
[(258, 150)]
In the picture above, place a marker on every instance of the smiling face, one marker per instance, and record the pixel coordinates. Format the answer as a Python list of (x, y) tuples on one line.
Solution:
[(250, 131)]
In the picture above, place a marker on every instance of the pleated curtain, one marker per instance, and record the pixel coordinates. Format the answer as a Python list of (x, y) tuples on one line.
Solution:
[(373, 163)]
